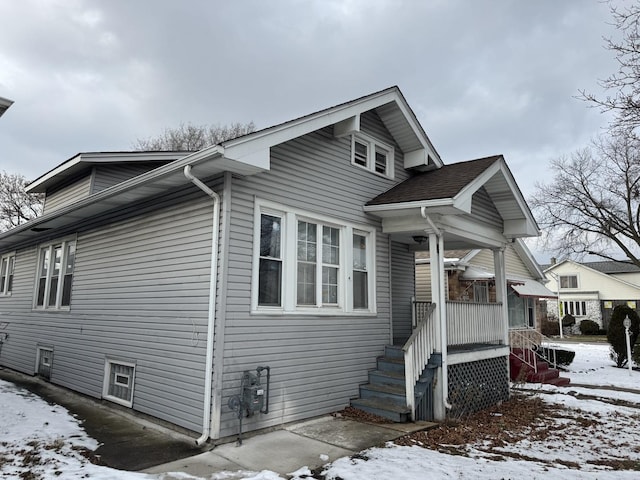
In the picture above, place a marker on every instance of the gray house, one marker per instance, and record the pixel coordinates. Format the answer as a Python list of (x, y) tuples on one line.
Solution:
[(277, 267)]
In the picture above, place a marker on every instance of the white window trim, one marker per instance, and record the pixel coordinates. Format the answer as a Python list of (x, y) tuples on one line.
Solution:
[(105, 384), (560, 287), (577, 305), (50, 245), (371, 159), (40, 349), (5, 292), (288, 245)]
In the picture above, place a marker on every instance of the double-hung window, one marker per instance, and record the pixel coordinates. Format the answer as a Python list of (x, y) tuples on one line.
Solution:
[(310, 263), (568, 281), (7, 264), (318, 264), (369, 153), (55, 274), (270, 261)]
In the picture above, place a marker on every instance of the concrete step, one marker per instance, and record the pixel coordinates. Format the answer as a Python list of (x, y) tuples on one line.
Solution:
[(559, 381), (543, 376), (396, 413)]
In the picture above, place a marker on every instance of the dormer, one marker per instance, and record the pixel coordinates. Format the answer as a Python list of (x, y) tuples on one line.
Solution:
[(89, 173)]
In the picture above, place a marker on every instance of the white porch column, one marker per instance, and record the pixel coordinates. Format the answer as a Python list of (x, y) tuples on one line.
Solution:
[(438, 283), (501, 289)]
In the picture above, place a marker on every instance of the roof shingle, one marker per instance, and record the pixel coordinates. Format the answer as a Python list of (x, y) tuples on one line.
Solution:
[(444, 182)]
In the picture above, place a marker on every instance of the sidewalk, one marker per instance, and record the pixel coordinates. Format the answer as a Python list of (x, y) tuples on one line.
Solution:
[(311, 443)]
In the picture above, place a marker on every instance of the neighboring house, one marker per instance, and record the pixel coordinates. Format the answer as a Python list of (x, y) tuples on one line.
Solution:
[(471, 278), (161, 281), (591, 290), (4, 105)]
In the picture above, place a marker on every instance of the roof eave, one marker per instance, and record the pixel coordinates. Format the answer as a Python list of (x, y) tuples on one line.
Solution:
[(205, 163)]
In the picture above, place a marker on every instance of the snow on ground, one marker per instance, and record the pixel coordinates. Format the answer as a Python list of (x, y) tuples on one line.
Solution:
[(43, 441)]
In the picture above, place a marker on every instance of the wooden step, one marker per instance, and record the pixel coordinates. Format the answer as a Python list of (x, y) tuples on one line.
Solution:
[(386, 377), (388, 393), (388, 364), (396, 413), (394, 351)]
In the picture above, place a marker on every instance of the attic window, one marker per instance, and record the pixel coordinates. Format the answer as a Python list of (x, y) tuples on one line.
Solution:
[(568, 281), (375, 156)]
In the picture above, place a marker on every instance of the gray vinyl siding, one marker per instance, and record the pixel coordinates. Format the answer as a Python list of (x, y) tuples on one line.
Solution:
[(76, 189), (105, 176), (402, 289), (514, 265), (423, 282), (483, 208), (140, 294), (317, 362)]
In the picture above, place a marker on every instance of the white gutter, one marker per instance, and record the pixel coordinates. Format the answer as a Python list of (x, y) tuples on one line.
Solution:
[(206, 420)]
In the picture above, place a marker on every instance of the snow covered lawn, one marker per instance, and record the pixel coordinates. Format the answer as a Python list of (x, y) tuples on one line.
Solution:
[(588, 432)]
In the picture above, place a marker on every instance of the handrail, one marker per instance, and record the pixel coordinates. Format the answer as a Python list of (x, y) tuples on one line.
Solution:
[(417, 351), (530, 342)]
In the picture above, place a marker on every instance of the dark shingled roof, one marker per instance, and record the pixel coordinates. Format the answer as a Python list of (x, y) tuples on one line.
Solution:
[(613, 267), (445, 182)]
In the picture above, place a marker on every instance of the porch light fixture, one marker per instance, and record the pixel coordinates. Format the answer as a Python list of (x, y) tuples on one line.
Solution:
[(420, 239)]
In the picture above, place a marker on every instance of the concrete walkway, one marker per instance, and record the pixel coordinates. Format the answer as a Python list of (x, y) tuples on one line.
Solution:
[(312, 443), (130, 441)]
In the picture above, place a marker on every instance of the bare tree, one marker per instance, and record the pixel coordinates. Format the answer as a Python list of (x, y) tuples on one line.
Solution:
[(592, 205), (16, 205), (624, 85), (191, 138)]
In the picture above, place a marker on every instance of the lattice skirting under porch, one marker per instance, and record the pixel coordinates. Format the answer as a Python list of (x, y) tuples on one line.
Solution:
[(477, 385)]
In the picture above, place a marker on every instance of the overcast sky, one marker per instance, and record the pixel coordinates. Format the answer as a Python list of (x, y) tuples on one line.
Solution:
[(483, 76)]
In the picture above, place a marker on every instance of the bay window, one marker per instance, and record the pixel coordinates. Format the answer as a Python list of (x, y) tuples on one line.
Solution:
[(310, 263)]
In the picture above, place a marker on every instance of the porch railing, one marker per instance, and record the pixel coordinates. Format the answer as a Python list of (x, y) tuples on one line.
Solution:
[(474, 323), (525, 345), (417, 351)]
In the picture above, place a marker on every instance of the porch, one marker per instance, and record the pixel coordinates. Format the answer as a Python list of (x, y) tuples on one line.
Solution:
[(474, 364), (455, 357)]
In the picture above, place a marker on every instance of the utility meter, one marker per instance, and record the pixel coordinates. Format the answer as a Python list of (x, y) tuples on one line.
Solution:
[(252, 393)]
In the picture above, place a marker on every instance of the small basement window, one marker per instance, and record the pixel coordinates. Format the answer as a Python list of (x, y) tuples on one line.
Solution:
[(369, 153), (45, 362), (118, 382)]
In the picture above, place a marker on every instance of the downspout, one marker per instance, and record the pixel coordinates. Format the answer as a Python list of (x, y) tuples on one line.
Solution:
[(206, 421), (443, 329)]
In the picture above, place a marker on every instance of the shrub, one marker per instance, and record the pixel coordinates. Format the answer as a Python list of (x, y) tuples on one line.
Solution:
[(550, 327), (568, 320), (589, 327), (564, 357), (616, 333)]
